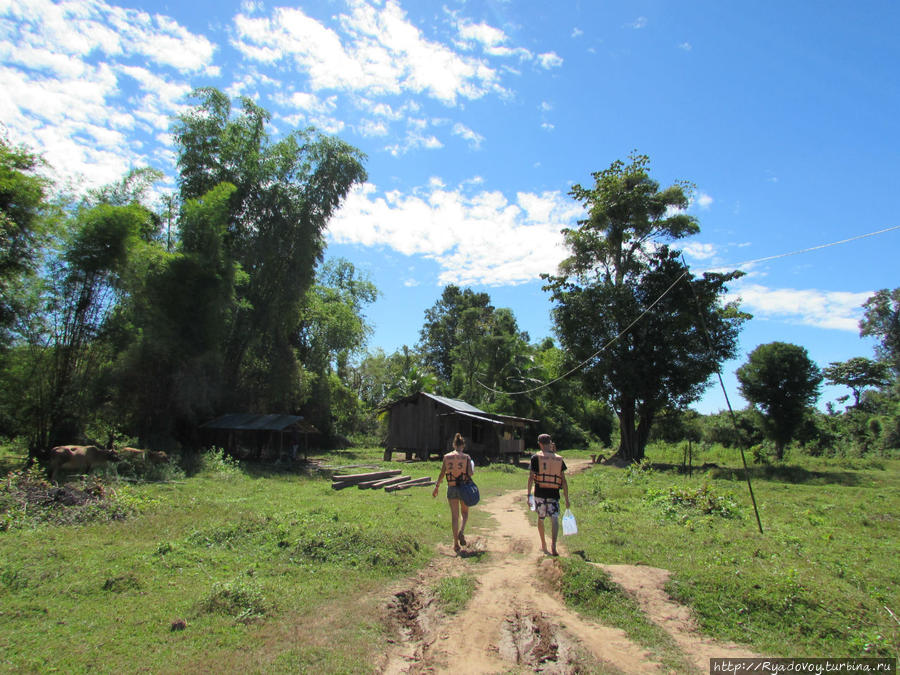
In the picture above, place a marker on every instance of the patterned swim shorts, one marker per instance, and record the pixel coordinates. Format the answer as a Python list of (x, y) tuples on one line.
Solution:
[(544, 506)]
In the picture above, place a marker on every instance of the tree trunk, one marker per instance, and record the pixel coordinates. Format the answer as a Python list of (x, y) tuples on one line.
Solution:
[(630, 447), (779, 449)]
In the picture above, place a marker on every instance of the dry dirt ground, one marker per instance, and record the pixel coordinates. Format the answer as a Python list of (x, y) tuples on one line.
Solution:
[(515, 623)]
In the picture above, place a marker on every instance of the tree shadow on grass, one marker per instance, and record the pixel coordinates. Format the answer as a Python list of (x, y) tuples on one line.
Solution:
[(770, 472), (789, 474)]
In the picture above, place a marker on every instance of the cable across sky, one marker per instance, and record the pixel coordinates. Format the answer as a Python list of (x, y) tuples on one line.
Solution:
[(666, 292)]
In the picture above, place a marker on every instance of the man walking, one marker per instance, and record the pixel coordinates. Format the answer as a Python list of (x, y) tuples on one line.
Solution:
[(548, 477)]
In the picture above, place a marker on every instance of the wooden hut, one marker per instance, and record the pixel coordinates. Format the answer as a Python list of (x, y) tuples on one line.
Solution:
[(258, 436), (423, 425)]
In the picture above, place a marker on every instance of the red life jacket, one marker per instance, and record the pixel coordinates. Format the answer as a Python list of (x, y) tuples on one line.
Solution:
[(456, 468), (550, 471)]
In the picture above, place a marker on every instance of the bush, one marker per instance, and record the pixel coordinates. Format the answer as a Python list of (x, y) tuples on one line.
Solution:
[(241, 599)]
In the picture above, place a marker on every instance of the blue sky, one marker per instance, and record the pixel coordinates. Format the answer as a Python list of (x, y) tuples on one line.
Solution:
[(478, 117)]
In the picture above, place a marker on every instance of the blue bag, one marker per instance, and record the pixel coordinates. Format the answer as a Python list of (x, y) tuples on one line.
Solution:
[(468, 492)]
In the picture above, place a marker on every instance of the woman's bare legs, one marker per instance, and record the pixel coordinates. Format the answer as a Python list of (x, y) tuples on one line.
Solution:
[(454, 521), (464, 510)]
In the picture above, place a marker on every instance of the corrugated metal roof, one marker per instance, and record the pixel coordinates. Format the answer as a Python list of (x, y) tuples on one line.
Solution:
[(474, 417), (456, 404), (251, 422)]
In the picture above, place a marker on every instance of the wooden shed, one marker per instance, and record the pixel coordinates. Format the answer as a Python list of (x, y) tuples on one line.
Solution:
[(423, 425), (257, 436)]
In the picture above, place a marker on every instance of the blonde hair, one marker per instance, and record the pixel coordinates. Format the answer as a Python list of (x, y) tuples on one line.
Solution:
[(459, 441)]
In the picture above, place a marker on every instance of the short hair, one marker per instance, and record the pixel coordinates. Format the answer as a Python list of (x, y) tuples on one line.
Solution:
[(544, 438)]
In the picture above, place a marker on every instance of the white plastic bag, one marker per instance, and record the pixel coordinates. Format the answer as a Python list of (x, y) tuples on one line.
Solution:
[(531, 502), (568, 523)]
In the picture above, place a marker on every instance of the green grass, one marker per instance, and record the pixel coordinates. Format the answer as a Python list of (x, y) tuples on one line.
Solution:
[(233, 568), (453, 593), (255, 568), (816, 583), (590, 590)]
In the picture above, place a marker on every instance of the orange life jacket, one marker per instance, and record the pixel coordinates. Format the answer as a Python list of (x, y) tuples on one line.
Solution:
[(456, 468), (550, 471)]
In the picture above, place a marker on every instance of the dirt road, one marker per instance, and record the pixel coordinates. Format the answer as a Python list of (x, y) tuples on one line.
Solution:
[(516, 621)]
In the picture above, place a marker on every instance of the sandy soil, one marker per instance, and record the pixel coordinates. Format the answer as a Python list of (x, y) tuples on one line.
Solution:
[(516, 621)]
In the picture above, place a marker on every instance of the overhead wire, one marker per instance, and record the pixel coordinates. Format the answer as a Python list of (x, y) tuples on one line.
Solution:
[(666, 292)]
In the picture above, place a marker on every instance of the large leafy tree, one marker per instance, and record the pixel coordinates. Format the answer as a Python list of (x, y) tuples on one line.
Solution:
[(783, 382), (858, 374), (881, 320), (284, 194), (442, 331), (625, 297), (331, 331), (23, 202)]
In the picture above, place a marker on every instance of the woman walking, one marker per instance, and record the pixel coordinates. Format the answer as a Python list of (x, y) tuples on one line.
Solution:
[(457, 467)]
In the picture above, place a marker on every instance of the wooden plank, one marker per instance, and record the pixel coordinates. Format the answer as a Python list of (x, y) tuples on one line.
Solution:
[(389, 481), (360, 477), (381, 482), (422, 482)]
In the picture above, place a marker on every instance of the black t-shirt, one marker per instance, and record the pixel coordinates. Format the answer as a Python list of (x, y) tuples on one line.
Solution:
[(544, 492)]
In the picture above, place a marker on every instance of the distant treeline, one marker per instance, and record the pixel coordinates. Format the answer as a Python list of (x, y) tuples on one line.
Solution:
[(131, 315)]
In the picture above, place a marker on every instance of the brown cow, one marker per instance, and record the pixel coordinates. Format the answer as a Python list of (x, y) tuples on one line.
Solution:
[(157, 457), (134, 454), (78, 459)]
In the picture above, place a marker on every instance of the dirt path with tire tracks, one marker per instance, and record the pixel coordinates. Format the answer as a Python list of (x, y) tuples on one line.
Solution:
[(516, 620)]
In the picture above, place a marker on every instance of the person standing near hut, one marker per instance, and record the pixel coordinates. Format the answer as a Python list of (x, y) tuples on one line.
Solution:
[(548, 476), (456, 467)]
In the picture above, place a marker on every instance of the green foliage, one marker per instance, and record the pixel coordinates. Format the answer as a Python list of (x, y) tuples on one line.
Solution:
[(681, 504), (23, 202), (858, 374), (625, 298), (454, 592), (441, 334), (590, 590), (242, 599), (812, 585), (29, 500), (881, 319), (781, 379), (285, 192)]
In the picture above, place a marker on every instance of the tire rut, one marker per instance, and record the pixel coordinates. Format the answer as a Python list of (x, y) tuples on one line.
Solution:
[(515, 620)]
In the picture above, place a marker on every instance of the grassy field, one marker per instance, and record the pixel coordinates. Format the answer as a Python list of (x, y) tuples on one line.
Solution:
[(819, 580), (237, 568)]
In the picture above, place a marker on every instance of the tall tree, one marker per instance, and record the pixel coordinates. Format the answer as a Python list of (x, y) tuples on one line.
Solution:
[(882, 320), (69, 342), (182, 305), (783, 382), (858, 374), (332, 329), (285, 192), (622, 279), (440, 334), (23, 201)]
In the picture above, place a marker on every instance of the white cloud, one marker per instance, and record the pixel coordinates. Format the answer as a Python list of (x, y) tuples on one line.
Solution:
[(87, 75), (639, 23), (477, 238), (700, 251), (473, 138), (549, 60), (836, 310), (685, 46), (704, 201), (577, 32), (486, 35), (378, 52)]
